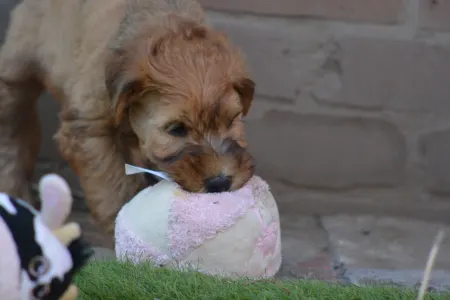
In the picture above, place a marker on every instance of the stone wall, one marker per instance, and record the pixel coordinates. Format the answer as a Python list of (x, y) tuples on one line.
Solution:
[(352, 112), (356, 94)]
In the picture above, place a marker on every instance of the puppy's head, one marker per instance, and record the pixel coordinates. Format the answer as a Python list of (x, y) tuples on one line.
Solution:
[(184, 89)]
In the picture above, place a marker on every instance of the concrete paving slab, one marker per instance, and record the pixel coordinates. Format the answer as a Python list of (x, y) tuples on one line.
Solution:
[(384, 242), (304, 249), (440, 280), (387, 250)]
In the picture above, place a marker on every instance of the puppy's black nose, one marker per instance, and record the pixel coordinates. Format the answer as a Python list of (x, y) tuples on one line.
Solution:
[(218, 184)]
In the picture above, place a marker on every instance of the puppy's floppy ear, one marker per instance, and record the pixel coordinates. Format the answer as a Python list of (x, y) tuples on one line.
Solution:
[(122, 84), (246, 89)]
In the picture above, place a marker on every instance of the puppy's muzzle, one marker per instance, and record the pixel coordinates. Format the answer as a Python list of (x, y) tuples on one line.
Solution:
[(218, 184)]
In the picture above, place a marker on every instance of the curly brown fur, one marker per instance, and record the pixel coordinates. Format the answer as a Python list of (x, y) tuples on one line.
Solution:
[(139, 81)]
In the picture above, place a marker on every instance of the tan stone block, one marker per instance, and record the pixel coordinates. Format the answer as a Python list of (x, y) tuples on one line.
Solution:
[(283, 60), (319, 151), (435, 149), (396, 75)]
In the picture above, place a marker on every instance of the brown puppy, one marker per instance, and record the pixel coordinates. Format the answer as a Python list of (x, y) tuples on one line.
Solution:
[(140, 81)]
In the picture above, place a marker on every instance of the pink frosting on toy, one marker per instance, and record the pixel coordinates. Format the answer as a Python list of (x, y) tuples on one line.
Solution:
[(266, 243), (195, 218)]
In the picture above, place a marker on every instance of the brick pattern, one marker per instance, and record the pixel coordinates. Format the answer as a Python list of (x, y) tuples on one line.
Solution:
[(271, 51), (373, 11), (370, 67), (397, 88)]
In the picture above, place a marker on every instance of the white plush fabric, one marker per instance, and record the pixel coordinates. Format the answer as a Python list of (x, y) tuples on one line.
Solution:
[(228, 234)]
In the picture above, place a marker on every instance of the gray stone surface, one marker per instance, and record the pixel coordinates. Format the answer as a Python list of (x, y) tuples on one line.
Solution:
[(304, 248), (273, 49), (400, 75), (328, 151), (387, 251), (103, 254), (435, 148), (440, 280), (368, 242), (434, 14), (373, 11)]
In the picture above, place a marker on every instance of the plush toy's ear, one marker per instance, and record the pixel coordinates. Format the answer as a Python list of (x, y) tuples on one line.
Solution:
[(68, 233), (56, 200)]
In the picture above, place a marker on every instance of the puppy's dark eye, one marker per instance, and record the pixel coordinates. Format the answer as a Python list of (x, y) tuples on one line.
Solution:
[(231, 122), (177, 129)]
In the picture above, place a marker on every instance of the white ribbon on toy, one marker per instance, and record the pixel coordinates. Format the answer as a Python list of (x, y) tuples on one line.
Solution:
[(130, 170)]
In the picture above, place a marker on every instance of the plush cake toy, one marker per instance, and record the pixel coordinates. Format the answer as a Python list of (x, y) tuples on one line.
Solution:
[(230, 234), (39, 256)]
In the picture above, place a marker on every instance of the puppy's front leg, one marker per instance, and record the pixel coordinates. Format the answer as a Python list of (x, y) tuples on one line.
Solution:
[(96, 157)]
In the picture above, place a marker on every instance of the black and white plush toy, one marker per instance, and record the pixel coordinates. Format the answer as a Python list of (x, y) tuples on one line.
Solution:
[(38, 254)]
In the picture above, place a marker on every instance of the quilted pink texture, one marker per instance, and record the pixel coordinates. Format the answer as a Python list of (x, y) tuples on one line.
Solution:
[(195, 218)]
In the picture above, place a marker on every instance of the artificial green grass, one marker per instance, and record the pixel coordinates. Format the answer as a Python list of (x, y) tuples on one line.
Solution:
[(124, 281)]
